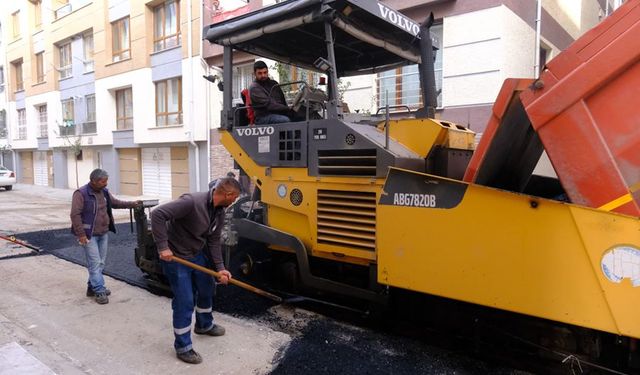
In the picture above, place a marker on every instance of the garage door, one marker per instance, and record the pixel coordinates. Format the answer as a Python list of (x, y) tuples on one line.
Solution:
[(130, 171), (26, 167), (156, 172), (40, 170), (179, 171)]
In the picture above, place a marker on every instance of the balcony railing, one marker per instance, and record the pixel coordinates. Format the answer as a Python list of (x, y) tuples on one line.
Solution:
[(67, 130), (22, 133), (88, 128), (44, 130), (65, 71), (63, 11)]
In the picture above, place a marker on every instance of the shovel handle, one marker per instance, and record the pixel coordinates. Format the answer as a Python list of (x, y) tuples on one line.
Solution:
[(235, 282)]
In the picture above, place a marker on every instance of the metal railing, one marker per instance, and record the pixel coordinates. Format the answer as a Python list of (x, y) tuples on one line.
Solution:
[(67, 130), (22, 133), (63, 11), (44, 130), (88, 128)]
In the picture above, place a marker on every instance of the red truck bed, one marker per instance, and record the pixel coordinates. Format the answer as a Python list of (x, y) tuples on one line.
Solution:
[(585, 111)]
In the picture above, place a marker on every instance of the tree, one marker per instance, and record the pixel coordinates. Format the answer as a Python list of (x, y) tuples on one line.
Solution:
[(73, 142)]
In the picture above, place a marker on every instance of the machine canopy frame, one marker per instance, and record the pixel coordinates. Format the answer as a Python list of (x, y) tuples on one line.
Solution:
[(368, 36)]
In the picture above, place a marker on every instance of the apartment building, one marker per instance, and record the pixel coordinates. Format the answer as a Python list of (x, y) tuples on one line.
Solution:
[(109, 84)]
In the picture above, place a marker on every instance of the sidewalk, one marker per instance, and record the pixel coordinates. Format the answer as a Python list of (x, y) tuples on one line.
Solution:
[(45, 317)]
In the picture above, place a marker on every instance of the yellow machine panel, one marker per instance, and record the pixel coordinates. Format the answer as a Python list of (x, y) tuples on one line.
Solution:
[(420, 135), (528, 255)]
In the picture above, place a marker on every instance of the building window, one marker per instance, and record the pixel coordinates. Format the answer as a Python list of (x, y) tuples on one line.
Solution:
[(15, 21), (42, 119), (40, 67), (166, 25), (401, 87), (22, 124), (242, 78), (89, 127), (169, 102), (17, 68), (124, 109), (68, 126), (65, 60), (387, 88), (37, 14), (3, 124), (87, 42), (121, 42), (1, 78)]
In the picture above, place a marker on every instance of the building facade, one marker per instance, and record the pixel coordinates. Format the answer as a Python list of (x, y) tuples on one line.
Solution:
[(111, 84)]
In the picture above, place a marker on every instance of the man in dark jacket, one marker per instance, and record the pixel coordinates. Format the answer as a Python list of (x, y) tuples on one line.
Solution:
[(91, 219), (267, 99), (189, 227)]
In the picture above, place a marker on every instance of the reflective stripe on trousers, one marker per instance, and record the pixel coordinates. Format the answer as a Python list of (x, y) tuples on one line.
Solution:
[(189, 287)]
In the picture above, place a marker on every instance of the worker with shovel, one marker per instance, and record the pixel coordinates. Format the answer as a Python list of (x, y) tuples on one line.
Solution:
[(189, 228)]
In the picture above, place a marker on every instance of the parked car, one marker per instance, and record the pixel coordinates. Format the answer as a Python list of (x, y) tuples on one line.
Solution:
[(7, 178)]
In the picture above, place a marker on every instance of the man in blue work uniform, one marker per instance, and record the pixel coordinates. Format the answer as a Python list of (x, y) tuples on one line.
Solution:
[(189, 227)]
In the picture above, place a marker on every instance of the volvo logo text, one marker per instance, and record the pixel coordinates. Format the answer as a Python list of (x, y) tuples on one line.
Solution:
[(267, 130), (400, 20)]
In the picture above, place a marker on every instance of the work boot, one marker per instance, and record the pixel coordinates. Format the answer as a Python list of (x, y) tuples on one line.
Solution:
[(91, 293), (190, 357), (101, 298), (216, 330)]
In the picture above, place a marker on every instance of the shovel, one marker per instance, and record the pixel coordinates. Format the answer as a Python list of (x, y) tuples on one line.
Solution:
[(239, 283), (18, 242)]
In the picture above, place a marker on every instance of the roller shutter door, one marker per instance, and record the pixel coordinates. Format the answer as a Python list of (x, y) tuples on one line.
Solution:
[(156, 172), (40, 169)]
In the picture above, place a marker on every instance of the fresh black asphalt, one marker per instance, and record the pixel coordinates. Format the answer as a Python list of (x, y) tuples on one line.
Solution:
[(323, 346)]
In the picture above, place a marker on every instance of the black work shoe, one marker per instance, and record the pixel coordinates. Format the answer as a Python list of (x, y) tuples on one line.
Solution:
[(101, 298), (91, 293), (190, 357), (216, 330)]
